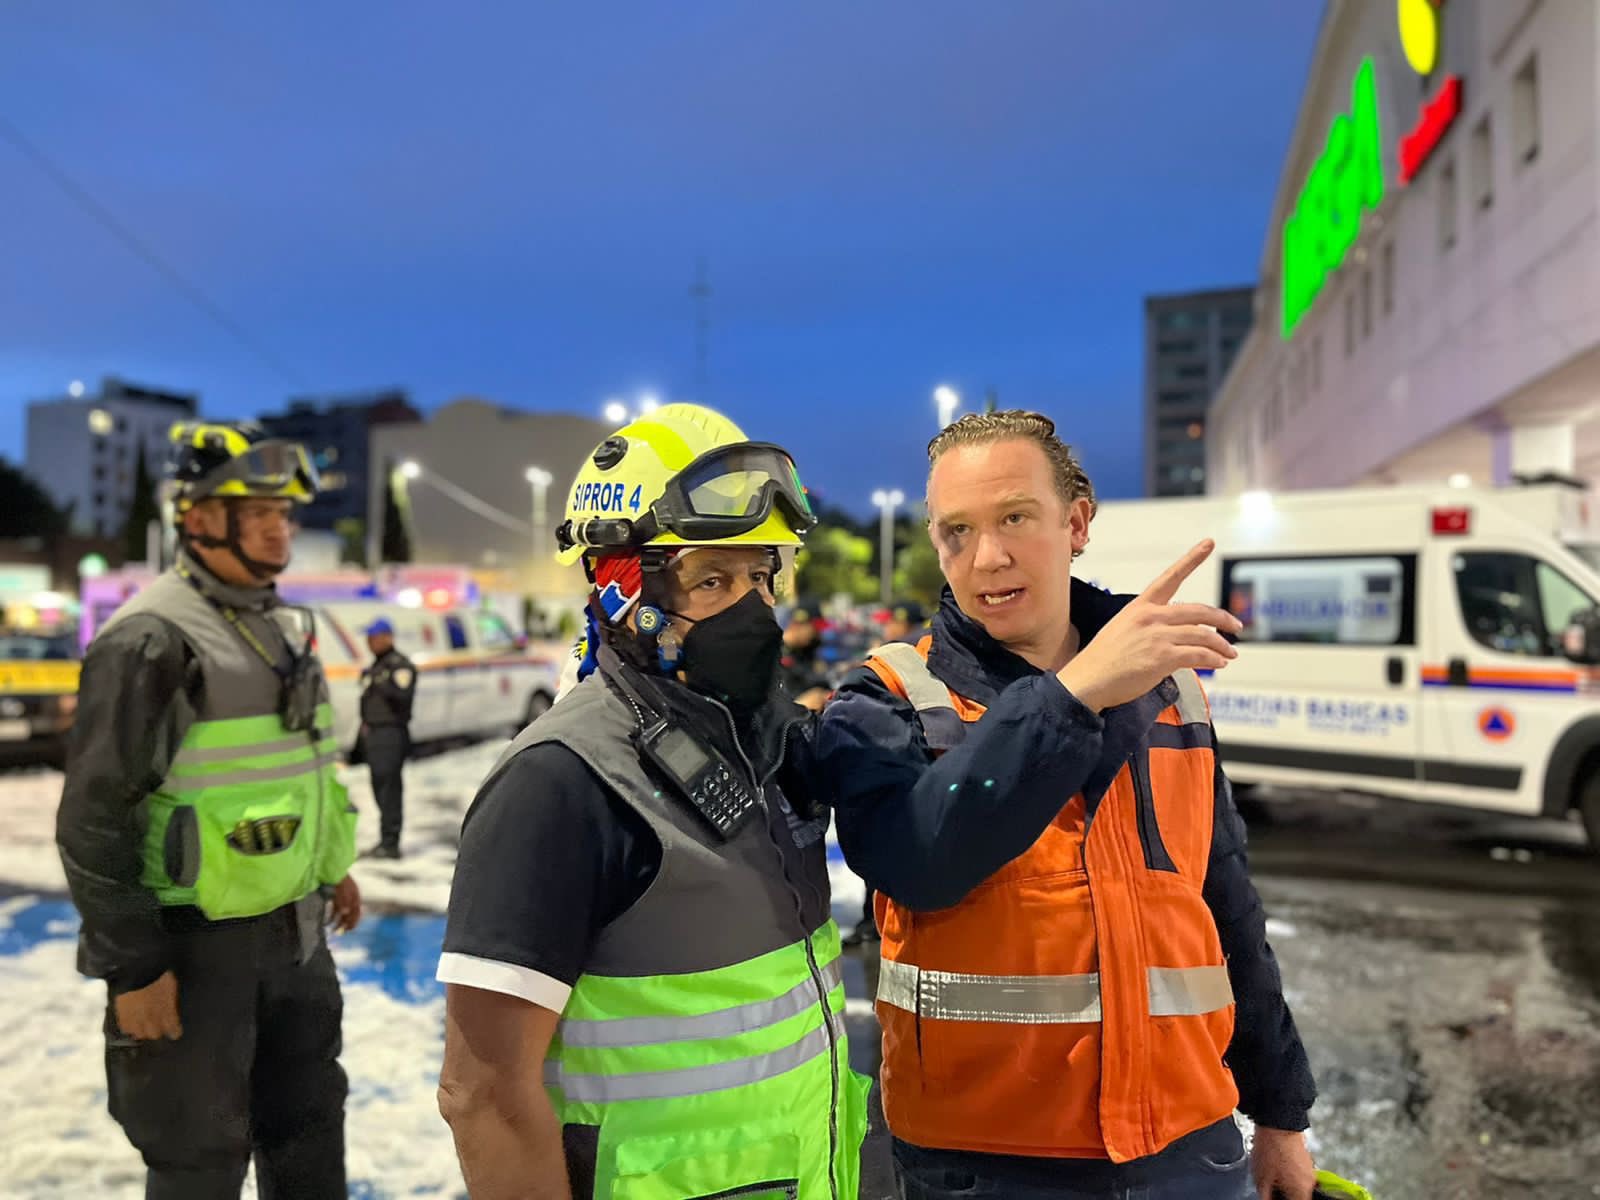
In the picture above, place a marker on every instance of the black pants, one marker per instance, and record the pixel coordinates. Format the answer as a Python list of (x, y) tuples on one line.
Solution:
[(387, 747), (256, 1072)]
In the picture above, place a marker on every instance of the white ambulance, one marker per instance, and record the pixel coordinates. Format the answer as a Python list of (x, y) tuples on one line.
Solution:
[(1405, 641), (473, 679)]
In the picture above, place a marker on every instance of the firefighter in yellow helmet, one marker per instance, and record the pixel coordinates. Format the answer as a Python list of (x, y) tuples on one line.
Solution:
[(230, 464), (640, 911), (203, 829)]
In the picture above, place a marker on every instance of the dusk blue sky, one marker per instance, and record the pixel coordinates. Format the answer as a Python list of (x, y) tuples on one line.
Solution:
[(507, 200)]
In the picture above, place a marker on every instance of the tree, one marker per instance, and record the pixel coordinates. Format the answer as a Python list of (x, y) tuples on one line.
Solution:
[(835, 561), (26, 510), (352, 533), (916, 572), (396, 545), (142, 509)]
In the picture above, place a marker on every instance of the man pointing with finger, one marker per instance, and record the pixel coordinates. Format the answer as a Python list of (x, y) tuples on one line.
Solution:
[(1076, 989)]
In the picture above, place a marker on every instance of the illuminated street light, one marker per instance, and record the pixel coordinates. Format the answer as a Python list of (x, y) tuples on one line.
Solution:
[(948, 400), (616, 412), (648, 402), (540, 479), (410, 469)]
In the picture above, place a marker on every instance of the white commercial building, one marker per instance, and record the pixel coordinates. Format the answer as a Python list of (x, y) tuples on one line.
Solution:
[(1429, 305), (83, 448), (485, 487)]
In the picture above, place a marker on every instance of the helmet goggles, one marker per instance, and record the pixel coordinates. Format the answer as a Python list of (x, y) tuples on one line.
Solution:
[(267, 469), (725, 493)]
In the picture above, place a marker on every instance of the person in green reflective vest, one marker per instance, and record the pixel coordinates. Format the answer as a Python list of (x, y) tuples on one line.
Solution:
[(645, 994), (206, 838)]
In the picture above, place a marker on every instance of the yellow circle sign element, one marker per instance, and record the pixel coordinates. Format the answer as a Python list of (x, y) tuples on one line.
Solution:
[(1419, 34)]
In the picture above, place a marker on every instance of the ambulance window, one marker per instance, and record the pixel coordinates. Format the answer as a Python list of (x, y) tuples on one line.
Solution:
[(1335, 601), (458, 633), (1560, 601), (1516, 604), (493, 632)]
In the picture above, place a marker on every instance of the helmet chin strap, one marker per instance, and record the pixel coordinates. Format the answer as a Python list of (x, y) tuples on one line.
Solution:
[(264, 571)]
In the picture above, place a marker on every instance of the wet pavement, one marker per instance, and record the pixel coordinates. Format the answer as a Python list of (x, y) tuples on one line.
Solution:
[(1444, 972), (1445, 975)]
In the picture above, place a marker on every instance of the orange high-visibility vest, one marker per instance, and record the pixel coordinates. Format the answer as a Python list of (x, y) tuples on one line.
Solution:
[(1076, 1004)]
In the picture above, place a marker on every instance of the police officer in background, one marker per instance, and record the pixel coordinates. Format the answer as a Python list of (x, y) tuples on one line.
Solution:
[(201, 822), (387, 689)]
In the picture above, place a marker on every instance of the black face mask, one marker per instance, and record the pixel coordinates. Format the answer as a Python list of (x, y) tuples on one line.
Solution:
[(733, 656)]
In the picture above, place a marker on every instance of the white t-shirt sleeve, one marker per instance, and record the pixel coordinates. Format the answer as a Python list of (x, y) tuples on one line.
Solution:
[(548, 858), (509, 979)]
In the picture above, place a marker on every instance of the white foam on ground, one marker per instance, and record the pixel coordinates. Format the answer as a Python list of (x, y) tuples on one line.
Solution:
[(61, 1144)]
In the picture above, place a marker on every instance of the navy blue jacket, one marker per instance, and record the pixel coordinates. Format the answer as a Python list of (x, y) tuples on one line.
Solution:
[(927, 831)]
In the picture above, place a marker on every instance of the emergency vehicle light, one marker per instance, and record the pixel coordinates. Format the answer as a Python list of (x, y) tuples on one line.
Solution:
[(1453, 522)]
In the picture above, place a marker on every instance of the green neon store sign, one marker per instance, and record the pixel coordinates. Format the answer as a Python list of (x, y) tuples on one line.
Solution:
[(1345, 182)]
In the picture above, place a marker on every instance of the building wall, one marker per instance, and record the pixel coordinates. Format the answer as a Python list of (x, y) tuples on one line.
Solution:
[(335, 433), (85, 452), (1189, 342), (1467, 312), (486, 450)]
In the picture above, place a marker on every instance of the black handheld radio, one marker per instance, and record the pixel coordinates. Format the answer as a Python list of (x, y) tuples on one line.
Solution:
[(696, 771), (699, 774)]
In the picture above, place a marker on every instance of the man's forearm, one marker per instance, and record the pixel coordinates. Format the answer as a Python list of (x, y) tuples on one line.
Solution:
[(928, 834), (509, 1143)]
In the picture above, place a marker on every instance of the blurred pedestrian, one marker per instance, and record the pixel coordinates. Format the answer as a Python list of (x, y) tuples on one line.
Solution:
[(904, 622), (804, 674), (905, 618)]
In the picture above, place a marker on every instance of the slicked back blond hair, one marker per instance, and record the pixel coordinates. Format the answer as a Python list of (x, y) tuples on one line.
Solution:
[(984, 429)]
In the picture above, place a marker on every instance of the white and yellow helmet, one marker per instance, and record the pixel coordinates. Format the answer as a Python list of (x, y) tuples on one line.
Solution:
[(684, 475)]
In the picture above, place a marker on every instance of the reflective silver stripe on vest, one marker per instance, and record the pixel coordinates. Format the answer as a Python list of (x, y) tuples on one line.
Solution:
[(1192, 708), (726, 1022), (244, 775), (1188, 991), (192, 756), (922, 688), (691, 1081), (1043, 999), (1012, 999)]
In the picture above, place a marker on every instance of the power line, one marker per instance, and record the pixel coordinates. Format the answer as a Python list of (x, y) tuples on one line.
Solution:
[(482, 507), (108, 221)]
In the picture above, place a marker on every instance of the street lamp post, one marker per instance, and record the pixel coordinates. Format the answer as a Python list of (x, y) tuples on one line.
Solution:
[(948, 400), (887, 502), (540, 479)]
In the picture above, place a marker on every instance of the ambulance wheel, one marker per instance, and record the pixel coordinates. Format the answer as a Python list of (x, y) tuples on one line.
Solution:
[(1589, 809), (538, 704)]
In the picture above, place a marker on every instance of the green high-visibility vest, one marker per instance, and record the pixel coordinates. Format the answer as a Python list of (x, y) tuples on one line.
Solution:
[(727, 1082), (704, 1041), (249, 818)]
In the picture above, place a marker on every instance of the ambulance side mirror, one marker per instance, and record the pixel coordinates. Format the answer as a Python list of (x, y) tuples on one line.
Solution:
[(1580, 642)]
